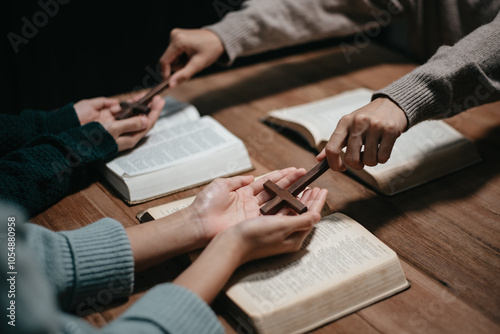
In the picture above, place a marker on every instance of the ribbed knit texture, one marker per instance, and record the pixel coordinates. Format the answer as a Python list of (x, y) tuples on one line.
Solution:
[(18, 130), (47, 167), (102, 260), (263, 25), (455, 79), (171, 308), (88, 269)]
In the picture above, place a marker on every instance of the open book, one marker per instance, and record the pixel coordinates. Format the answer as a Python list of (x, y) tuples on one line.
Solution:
[(183, 150), (425, 152), (341, 268)]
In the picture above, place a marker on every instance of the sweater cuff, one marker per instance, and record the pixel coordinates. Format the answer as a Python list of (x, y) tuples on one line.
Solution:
[(62, 119), (414, 96), (175, 309), (235, 41), (103, 264), (90, 142)]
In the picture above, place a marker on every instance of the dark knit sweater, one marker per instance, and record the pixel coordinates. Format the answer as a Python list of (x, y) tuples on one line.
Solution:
[(45, 155)]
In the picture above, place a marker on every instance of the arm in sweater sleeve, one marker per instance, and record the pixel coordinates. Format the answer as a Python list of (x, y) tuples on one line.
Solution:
[(51, 166), (17, 130), (455, 79), (263, 25), (84, 270)]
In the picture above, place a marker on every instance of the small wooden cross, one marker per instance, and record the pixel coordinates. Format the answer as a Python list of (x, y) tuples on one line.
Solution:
[(141, 106), (287, 197)]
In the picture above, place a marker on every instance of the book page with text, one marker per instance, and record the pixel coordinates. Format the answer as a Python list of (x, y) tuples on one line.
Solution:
[(338, 249), (173, 145)]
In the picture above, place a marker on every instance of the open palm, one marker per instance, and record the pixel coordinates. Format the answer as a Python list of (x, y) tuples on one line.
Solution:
[(226, 202)]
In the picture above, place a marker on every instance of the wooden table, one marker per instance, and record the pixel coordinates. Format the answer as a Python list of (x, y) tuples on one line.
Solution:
[(446, 233)]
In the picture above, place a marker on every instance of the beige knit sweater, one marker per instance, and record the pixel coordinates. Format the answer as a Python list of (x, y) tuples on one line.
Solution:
[(456, 78)]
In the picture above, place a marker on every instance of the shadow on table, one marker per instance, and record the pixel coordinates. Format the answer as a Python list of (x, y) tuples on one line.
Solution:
[(288, 76)]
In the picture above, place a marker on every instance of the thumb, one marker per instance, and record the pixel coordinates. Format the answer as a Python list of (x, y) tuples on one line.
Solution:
[(193, 66), (133, 124), (321, 155), (234, 183), (169, 56)]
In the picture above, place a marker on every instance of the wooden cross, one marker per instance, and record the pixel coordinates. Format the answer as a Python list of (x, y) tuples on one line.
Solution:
[(287, 197), (141, 106)]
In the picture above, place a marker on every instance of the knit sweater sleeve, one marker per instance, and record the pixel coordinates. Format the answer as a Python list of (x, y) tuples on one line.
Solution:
[(455, 79), (87, 269), (51, 166), (263, 25), (17, 130)]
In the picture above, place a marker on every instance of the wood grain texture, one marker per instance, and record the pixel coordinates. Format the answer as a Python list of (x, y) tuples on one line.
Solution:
[(446, 232)]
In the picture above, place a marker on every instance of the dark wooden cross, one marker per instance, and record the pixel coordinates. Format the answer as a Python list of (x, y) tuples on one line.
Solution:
[(140, 107), (284, 197)]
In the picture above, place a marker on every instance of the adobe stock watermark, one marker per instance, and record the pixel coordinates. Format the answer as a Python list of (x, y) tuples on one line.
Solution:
[(372, 29), (222, 7), (31, 27), (117, 288)]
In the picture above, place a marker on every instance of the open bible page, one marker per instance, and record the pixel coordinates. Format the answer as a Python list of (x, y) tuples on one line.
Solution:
[(168, 145), (336, 250), (321, 117)]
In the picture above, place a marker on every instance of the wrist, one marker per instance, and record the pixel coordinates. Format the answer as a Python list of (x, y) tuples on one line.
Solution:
[(229, 247), (192, 222)]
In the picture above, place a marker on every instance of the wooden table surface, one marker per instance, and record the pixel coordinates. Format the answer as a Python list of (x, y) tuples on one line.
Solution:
[(446, 233)]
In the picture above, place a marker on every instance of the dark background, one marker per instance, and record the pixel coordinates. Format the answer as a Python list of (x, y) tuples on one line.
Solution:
[(88, 48), (85, 49)]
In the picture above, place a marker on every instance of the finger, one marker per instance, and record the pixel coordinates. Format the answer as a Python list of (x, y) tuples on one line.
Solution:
[(385, 149), (301, 222), (115, 109), (234, 183), (103, 102), (131, 125), (156, 107), (353, 152), (193, 66), (335, 145), (283, 182), (317, 200), (370, 153), (258, 185), (321, 155), (172, 52)]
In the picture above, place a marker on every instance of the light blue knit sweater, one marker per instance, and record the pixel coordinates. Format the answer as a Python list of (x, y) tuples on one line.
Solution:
[(79, 271)]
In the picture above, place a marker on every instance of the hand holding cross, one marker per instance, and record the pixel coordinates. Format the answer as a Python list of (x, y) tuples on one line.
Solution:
[(141, 106), (287, 197)]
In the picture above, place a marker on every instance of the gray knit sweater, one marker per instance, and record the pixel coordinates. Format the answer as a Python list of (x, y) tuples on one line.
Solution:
[(83, 271), (454, 79)]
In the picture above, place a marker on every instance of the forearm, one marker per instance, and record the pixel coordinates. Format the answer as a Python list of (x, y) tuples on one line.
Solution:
[(165, 238), (215, 264), (453, 80), (263, 25), (22, 128), (51, 166)]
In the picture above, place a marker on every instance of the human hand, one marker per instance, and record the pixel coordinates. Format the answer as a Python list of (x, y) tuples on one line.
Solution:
[(271, 235), (376, 126), (89, 110), (126, 132), (189, 52), (225, 202), (249, 240)]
